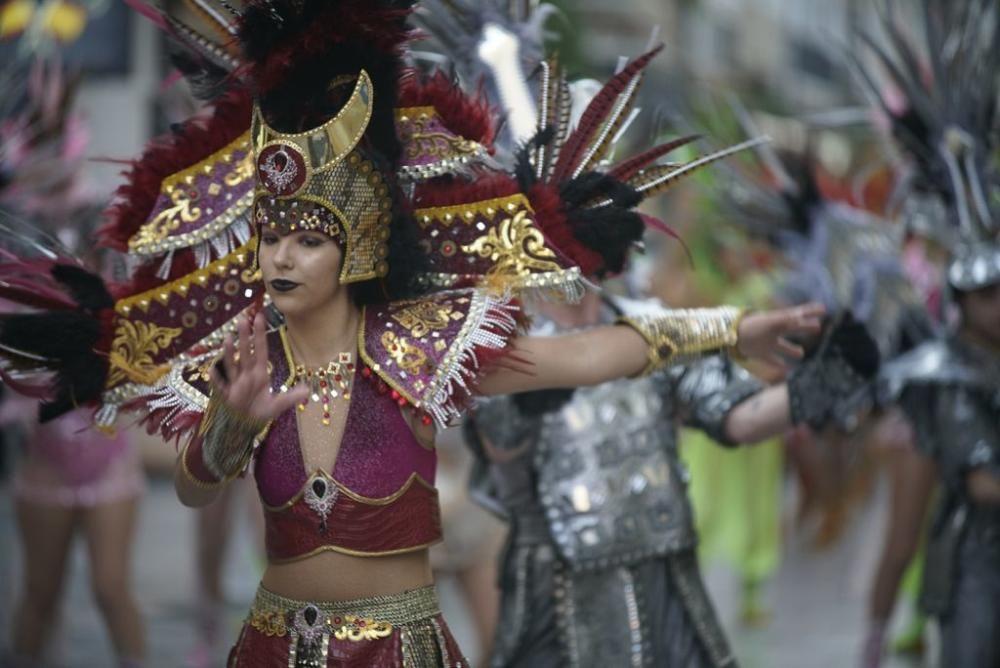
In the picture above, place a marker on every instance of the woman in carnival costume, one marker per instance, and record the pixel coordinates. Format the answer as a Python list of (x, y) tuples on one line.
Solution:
[(344, 190), (71, 479)]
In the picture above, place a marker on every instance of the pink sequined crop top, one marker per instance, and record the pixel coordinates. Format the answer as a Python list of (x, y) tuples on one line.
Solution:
[(377, 498)]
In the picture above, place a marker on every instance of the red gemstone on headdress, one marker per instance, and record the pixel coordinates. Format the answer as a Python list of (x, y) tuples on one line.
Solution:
[(426, 419), (281, 169), (322, 383), (394, 395), (366, 372)]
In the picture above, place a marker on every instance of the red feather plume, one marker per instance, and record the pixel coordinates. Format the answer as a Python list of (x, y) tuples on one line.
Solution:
[(554, 223), (596, 114), (626, 169)]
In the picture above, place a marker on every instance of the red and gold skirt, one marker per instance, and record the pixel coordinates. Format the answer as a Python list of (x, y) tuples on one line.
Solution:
[(399, 631)]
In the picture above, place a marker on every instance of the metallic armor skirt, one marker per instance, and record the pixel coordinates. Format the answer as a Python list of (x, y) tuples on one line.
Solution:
[(970, 634), (398, 631), (652, 613)]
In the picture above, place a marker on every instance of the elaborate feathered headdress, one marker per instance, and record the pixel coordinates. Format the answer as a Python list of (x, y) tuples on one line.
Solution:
[(840, 255), (948, 124)]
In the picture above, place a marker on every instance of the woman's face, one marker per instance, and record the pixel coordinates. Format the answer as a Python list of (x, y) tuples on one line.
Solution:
[(300, 270), (981, 313)]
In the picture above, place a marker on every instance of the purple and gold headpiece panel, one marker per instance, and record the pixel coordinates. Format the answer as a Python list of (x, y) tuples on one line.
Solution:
[(147, 337), (496, 244), (430, 149), (321, 180), (201, 203), (428, 350)]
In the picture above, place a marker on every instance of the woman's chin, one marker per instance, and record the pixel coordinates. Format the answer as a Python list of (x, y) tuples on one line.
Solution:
[(288, 303)]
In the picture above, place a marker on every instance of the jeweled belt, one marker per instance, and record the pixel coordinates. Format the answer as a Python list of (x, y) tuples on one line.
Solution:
[(359, 619)]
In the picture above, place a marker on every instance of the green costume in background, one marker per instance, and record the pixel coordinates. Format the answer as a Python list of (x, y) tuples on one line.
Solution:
[(736, 493)]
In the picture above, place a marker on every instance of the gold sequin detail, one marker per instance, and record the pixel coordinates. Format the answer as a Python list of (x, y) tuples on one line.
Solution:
[(679, 335)]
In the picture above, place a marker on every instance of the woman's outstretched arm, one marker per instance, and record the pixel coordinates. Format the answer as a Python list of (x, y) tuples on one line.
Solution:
[(636, 346)]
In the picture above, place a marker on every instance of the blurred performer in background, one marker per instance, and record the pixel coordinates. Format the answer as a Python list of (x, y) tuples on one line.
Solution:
[(73, 478), (946, 127), (600, 567)]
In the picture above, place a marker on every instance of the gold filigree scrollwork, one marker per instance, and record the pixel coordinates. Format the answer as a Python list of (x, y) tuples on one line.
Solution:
[(515, 247), (168, 220), (133, 349), (356, 629), (442, 145), (242, 171), (409, 358), (422, 318), (271, 624)]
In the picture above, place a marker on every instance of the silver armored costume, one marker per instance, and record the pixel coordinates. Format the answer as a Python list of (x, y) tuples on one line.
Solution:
[(950, 392), (600, 567)]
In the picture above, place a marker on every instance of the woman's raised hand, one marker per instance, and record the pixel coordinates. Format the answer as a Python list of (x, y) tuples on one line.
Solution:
[(243, 382), (764, 335)]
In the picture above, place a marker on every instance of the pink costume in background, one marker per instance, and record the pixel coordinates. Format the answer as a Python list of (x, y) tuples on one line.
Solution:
[(69, 463)]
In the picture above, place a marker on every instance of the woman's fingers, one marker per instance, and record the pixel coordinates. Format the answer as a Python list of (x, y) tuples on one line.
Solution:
[(260, 343), (218, 382), (228, 359), (806, 319), (243, 343), (283, 401), (789, 349), (812, 310)]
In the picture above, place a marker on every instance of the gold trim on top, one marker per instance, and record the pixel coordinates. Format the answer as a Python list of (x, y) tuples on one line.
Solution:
[(414, 478), (355, 553), (467, 212), (406, 114), (205, 166), (180, 286), (327, 145)]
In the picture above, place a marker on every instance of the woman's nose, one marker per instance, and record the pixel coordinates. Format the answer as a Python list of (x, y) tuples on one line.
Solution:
[(283, 253)]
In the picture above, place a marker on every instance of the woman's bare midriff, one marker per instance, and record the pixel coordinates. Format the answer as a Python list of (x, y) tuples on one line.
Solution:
[(331, 576)]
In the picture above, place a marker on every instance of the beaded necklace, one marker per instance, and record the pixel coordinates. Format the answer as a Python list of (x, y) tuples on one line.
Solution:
[(325, 383)]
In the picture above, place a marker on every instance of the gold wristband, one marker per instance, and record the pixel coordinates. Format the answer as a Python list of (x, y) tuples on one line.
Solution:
[(679, 335), (229, 438), (192, 478)]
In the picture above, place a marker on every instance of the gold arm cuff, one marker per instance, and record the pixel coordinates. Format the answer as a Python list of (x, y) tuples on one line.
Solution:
[(679, 335), (229, 438)]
